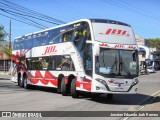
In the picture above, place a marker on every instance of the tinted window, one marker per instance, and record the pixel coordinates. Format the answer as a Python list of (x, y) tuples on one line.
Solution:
[(62, 63), (54, 36)]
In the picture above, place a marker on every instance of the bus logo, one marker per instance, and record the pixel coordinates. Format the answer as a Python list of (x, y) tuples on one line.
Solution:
[(131, 47), (116, 32), (49, 50), (119, 46)]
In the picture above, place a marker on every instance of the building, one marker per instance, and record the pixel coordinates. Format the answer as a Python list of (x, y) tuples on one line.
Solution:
[(139, 40), (141, 52), (4, 59), (143, 46)]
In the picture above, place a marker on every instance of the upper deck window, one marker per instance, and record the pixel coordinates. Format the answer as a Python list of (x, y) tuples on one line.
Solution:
[(77, 33)]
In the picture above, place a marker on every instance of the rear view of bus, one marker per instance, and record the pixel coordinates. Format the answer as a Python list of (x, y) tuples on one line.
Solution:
[(115, 57)]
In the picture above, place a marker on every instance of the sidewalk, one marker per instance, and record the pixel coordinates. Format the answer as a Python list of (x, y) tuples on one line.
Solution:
[(4, 75)]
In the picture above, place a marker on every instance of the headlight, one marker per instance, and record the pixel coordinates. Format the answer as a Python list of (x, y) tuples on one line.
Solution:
[(135, 81), (101, 81)]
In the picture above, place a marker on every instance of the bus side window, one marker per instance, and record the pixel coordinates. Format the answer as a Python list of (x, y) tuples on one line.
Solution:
[(44, 62), (64, 63), (29, 43), (81, 34), (87, 61), (67, 36), (36, 42), (77, 34), (32, 64), (52, 63), (54, 36), (65, 39), (43, 41), (16, 46)]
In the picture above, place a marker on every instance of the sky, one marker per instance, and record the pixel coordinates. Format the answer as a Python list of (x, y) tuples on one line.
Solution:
[(142, 15)]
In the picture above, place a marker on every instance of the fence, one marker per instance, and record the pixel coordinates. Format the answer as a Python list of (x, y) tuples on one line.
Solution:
[(4, 65)]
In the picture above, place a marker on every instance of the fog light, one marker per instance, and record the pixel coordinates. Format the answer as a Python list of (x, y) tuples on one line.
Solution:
[(97, 88), (136, 89)]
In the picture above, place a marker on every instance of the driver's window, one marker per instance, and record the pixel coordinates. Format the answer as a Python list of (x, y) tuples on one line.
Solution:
[(88, 59)]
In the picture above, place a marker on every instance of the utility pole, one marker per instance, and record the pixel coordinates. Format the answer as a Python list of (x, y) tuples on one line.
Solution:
[(10, 47), (10, 35)]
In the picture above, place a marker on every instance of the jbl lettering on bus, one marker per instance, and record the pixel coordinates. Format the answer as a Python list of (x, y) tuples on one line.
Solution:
[(50, 50), (111, 31)]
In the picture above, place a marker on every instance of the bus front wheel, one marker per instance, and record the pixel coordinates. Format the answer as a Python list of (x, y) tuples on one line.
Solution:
[(25, 84)]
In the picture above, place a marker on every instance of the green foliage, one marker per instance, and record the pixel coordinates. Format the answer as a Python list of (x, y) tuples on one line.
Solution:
[(2, 33), (153, 43), (7, 51), (158, 52)]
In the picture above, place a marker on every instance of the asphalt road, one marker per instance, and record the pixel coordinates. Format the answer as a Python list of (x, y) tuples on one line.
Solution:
[(13, 98)]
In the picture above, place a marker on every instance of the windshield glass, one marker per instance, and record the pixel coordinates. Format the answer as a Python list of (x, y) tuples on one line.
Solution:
[(117, 63), (150, 63)]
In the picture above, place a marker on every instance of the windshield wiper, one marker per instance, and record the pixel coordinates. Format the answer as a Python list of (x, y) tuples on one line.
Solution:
[(114, 64), (125, 68)]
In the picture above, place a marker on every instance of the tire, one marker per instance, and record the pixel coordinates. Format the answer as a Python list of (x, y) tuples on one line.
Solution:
[(26, 86), (59, 84), (64, 91), (110, 96), (74, 92), (20, 81)]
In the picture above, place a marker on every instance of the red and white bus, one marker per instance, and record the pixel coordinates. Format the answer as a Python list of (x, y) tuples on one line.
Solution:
[(90, 55)]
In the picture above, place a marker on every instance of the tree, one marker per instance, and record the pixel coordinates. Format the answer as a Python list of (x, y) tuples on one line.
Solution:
[(158, 53), (154, 43), (7, 51), (2, 33)]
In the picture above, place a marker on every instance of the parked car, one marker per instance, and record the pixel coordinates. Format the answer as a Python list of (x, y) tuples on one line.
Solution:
[(143, 68), (157, 65), (150, 65)]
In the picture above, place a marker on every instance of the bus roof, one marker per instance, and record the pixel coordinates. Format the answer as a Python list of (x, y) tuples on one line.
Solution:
[(109, 21), (87, 20)]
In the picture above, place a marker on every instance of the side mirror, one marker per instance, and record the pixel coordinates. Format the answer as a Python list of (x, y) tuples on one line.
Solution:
[(89, 42), (95, 47)]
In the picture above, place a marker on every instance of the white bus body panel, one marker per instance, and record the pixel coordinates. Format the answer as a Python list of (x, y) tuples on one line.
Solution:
[(113, 34)]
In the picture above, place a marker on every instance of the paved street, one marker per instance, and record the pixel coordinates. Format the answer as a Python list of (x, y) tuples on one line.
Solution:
[(13, 98)]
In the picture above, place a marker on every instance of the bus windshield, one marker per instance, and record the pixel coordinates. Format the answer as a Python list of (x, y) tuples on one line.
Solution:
[(116, 63)]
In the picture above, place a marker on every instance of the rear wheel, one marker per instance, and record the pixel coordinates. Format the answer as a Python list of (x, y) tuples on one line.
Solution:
[(20, 80), (25, 84), (64, 91), (74, 92)]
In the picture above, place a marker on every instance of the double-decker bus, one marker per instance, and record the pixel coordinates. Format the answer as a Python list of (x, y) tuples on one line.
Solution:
[(90, 55)]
